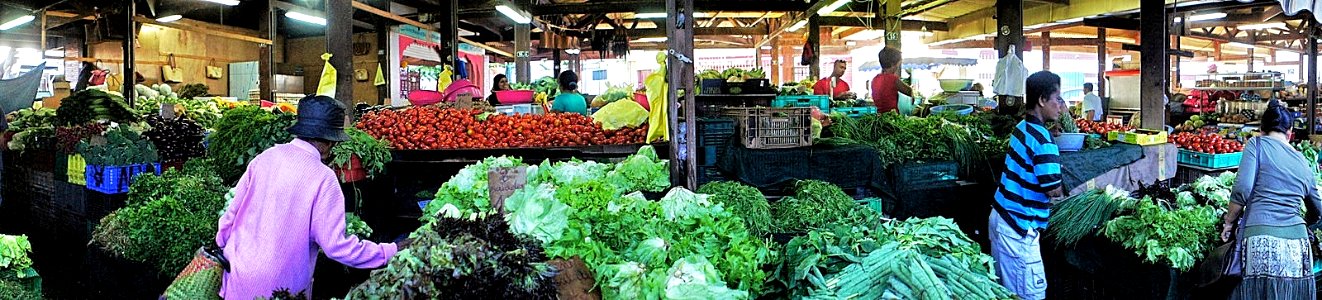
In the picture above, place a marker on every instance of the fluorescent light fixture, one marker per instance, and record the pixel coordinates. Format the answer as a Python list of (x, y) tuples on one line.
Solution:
[(169, 18), (651, 40), (4, 49), (797, 26), (16, 22), (1074, 20), (661, 15), (573, 51), (851, 43), (1205, 17), (830, 8), (514, 15), (55, 53), (865, 35), (1261, 26), (224, 2), (766, 47), (1241, 45), (306, 18)]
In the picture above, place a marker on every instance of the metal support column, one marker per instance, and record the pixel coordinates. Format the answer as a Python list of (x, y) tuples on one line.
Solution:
[(1311, 113), (815, 41), (339, 37), (130, 35), (1152, 90), (1010, 21), (1046, 50), (266, 53), (555, 62), (449, 28), (679, 74), (1101, 62)]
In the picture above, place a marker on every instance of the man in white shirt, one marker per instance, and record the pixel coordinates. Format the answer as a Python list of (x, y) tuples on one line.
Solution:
[(1092, 105)]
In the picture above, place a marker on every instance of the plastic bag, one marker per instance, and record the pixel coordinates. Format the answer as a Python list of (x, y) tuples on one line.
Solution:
[(444, 79), (326, 87), (1010, 75), (656, 94), (620, 114)]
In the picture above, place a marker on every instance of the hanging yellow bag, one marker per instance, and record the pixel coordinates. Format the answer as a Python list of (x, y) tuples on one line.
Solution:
[(326, 87), (444, 80), (659, 129)]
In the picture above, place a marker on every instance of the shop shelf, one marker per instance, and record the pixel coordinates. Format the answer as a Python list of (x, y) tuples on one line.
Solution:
[(1208, 160)]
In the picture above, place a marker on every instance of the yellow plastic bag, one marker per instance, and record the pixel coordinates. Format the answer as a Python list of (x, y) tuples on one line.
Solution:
[(444, 79), (326, 87), (620, 114), (380, 77), (656, 97)]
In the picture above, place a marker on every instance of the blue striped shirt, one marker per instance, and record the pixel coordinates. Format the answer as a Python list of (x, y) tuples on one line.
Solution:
[(1032, 168)]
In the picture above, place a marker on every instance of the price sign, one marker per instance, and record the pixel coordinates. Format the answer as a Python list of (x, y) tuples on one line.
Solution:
[(167, 111), (502, 182)]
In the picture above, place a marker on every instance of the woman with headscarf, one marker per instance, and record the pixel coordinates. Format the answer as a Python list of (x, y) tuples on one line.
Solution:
[(1273, 182), (500, 83)]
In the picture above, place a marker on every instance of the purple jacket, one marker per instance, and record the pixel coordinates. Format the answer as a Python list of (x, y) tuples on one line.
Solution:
[(287, 206)]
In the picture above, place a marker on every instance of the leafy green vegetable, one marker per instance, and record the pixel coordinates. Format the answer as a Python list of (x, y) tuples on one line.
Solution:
[(467, 190), (166, 219), (242, 134), (695, 278), (535, 212), (1176, 236), (641, 172), (14, 260), (744, 201), (903, 139), (814, 204), (355, 226), (91, 105), (28, 118), (122, 146), (616, 93), (1079, 216), (372, 153), (546, 85)]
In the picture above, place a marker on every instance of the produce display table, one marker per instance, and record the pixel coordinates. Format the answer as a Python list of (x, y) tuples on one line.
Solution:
[(1156, 163), (469, 156), (850, 166), (1189, 173)]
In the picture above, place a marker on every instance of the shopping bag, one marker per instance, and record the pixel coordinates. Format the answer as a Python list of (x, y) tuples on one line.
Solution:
[(213, 71), (1010, 75), (326, 86), (380, 77), (201, 278), (170, 73), (98, 75)]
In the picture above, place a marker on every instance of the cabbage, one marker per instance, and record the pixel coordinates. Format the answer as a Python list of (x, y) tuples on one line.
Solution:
[(534, 211), (695, 278)]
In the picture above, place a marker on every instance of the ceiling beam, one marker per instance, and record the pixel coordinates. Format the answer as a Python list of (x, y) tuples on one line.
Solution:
[(1220, 38), (203, 30), (1112, 23), (872, 23), (602, 7), (1057, 2)]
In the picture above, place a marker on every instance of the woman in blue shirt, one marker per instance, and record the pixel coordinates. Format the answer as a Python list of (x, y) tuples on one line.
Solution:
[(569, 100)]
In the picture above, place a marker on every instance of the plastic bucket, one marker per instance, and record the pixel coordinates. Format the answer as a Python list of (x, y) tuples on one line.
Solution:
[(960, 109)]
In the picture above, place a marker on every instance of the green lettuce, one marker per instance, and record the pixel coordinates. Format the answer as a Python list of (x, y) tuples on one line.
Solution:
[(534, 211), (696, 278), (641, 172)]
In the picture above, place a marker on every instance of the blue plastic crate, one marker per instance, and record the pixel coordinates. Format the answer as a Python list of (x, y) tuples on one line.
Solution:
[(116, 179), (855, 112), (819, 101)]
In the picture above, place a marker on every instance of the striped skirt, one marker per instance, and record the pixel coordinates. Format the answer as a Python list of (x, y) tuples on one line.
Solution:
[(1278, 264)]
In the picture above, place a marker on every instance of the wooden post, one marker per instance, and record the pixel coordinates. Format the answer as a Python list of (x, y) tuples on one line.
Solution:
[(266, 55), (1101, 61), (382, 28), (1251, 59), (777, 72), (339, 33), (815, 42), (130, 35), (1010, 24), (1046, 50), (892, 10), (1312, 79), (679, 74), (1152, 91)]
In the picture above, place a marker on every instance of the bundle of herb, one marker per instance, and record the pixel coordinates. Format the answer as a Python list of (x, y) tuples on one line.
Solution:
[(1079, 216), (244, 133), (744, 201), (373, 153), (814, 204), (1163, 233), (166, 219)]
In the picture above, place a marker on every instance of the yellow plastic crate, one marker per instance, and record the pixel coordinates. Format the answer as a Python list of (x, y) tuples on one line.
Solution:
[(1141, 137), (77, 169)]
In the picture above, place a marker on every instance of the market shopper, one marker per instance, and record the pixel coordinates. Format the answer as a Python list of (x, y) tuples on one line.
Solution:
[(886, 87), (288, 206), (500, 83), (834, 85), (1273, 182), (569, 100), (1032, 178), (1092, 104)]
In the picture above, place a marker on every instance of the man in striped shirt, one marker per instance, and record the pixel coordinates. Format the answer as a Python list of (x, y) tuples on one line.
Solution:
[(1031, 179)]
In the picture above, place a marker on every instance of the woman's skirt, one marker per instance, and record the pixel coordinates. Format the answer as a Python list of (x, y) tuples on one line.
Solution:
[(1278, 264)]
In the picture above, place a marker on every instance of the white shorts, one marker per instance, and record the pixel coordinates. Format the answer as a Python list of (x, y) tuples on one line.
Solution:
[(1018, 259)]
